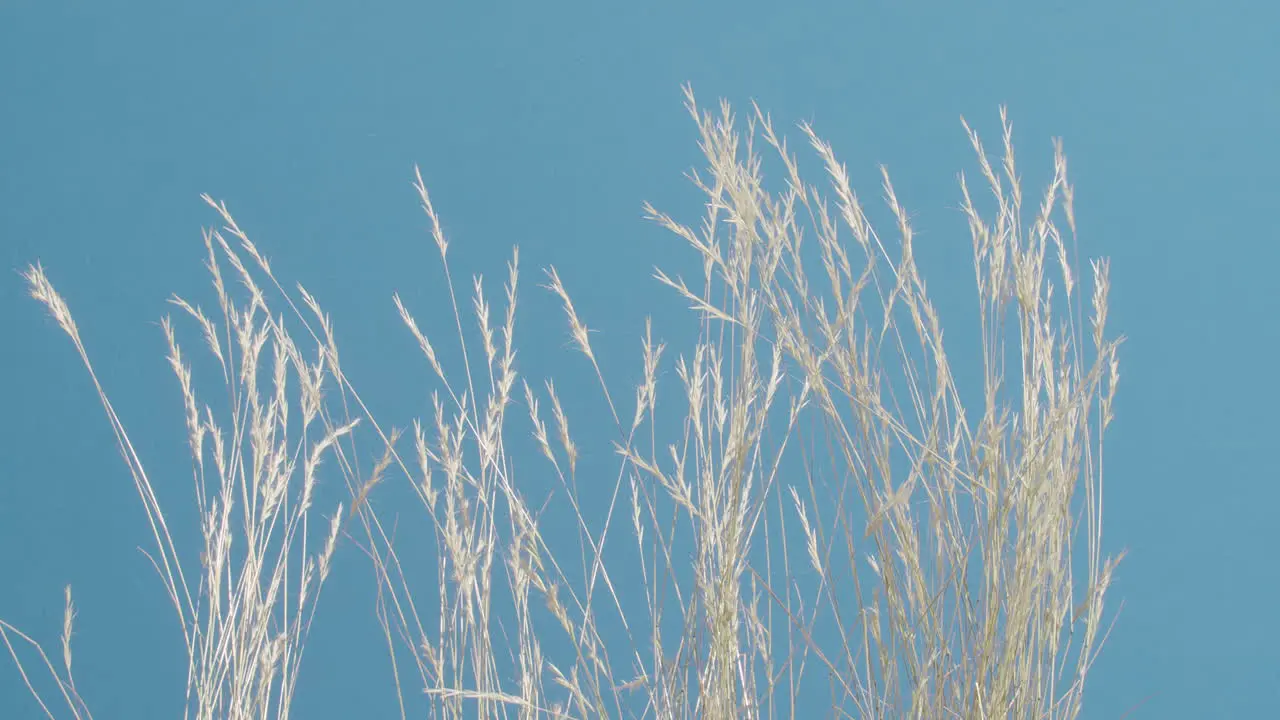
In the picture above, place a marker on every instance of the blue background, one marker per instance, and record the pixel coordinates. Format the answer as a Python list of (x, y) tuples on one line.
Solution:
[(547, 125)]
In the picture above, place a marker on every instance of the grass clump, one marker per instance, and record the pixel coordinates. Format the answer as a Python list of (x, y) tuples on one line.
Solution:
[(935, 560)]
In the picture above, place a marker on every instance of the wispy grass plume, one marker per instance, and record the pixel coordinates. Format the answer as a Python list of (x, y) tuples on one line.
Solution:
[(820, 526)]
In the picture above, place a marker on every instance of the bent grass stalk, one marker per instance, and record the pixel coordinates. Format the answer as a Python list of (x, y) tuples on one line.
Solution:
[(937, 561)]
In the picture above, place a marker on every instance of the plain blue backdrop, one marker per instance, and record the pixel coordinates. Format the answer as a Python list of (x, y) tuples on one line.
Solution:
[(548, 125)]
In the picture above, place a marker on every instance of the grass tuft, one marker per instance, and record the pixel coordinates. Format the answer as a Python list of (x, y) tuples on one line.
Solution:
[(819, 523)]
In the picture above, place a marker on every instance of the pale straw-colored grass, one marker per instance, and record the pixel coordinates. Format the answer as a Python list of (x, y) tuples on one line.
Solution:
[(936, 560)]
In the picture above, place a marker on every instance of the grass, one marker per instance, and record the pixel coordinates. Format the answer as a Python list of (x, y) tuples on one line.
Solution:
[(932, 560)]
